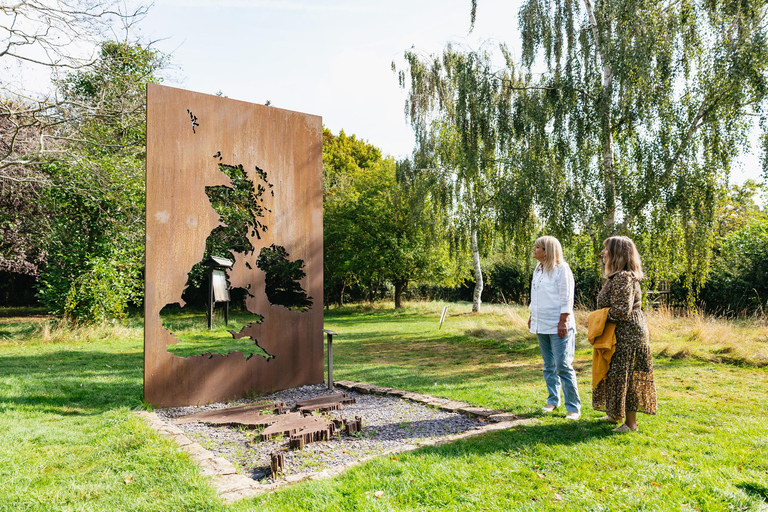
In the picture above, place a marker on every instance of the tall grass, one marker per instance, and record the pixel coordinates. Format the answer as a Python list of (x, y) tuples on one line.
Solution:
[(49, 329), (673, 334), (708, 338)]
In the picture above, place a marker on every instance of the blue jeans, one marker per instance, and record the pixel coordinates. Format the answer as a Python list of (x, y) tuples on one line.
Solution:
[(558, 354)]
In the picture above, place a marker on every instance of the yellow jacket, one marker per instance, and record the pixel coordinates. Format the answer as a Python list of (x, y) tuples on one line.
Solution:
[(603, 339)]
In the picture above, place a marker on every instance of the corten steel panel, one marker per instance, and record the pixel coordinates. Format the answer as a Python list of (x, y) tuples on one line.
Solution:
[(184, 132)]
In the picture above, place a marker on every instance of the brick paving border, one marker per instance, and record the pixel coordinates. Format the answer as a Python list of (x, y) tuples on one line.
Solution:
[(233, 486)]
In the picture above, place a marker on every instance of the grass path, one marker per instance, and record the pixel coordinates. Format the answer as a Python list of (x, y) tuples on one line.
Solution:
[(69, 441)]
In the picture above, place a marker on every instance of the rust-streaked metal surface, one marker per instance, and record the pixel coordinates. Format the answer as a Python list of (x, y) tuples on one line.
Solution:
[(324, 403), (188, 135), (240, 415), (291, 423)]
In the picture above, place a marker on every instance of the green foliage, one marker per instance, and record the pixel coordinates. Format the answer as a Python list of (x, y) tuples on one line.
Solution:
[(237, 206), (349, 166), (86, 230), (110, 98), (738, 208), (344, 157), (641, 112), (377, 229), (458, 105), (94, 203), (739, 280), (102, 291), (282, 278), (508, 281)]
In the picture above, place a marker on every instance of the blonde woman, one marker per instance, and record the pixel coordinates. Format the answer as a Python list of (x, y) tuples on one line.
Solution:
[(628, 387), (552, 322)]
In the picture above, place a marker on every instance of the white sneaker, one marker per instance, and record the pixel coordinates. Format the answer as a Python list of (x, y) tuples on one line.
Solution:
[(573, 416), (548, 408)]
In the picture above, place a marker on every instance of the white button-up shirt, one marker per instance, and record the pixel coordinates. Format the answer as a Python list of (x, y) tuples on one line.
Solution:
[(551, 295)]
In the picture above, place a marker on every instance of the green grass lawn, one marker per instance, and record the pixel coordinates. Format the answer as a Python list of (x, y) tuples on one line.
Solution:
[(190, 328), (69, 441)]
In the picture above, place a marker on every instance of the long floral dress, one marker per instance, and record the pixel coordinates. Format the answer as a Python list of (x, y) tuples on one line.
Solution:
[(628, 385)]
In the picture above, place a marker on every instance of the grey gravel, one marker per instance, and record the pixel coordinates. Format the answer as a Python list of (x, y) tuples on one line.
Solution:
[(390, 424)]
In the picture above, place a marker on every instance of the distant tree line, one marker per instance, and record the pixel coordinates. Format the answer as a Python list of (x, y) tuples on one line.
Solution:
[(361, 256)]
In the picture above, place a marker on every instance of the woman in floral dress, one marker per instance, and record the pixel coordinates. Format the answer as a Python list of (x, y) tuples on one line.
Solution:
[(628, 386)]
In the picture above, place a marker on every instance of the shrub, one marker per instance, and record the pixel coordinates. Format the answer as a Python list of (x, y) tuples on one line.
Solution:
[(100, 293), (508, 281), (739, 279)]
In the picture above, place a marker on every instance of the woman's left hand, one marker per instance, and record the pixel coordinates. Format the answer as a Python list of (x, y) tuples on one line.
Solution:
[(562, 325)]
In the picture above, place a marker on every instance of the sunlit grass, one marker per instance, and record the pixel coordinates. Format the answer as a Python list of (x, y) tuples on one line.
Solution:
[(69, 441), (190, 328), (679, 336)]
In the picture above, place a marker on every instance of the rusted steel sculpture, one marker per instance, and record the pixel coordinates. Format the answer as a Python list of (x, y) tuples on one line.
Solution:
[(324, 403), (202, 150), (246, 415), (354, 426), (277, 463), (311, 434), (292, 423), (301, 426)]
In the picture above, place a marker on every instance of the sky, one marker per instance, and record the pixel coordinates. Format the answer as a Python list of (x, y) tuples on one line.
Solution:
[(330, 58)]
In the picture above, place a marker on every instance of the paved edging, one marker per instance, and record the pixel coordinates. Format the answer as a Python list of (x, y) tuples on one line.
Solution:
[(233, 486)]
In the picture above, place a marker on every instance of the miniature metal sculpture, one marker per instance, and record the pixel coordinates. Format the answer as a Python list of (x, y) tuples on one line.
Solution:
[(324, 403), (247, 415), (277, 463), (206, 157), (301, 427)]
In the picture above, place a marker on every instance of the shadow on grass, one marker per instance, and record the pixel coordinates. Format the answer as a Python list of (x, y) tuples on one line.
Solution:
[(754, 490), (18, 331), (352, 318), (9, 312), (526, 346), (412, 362), (421, 378), (517, 439), (72, 382)]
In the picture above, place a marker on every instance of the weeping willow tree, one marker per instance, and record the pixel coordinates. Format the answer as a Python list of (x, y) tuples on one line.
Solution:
[(645, 104), (458, 105)]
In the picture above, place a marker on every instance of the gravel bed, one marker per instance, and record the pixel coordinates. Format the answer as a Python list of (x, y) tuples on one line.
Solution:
[(389, 424)]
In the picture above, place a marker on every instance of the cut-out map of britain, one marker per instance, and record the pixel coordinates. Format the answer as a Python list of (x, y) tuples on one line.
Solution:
[(241, 209)]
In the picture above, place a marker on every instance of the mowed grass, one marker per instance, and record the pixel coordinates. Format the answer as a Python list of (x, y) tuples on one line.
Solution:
[(69, 440)]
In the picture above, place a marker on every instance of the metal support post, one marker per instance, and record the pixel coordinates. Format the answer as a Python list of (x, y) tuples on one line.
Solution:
[(211, 302), (330, 335)]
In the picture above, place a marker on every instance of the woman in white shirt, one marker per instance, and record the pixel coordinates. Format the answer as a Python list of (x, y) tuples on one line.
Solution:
[(553, 323)]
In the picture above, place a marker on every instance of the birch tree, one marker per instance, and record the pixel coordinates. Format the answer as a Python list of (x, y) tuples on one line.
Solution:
[(646, 104), (463, 145)]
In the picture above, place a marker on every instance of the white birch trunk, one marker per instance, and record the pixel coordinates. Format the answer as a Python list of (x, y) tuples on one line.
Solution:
[(476, 298)]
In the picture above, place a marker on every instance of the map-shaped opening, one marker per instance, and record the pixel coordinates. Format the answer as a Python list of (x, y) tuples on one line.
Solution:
[(241, 208), (282, 278)]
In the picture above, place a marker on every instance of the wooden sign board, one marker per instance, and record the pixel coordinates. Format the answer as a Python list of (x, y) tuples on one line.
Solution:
[(220, 290)]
